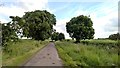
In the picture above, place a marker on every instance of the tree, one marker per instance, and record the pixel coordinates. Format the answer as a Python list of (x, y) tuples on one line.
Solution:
[(57, 36), (11, 30), (8, 34), (39, 24), (17, 24), (114, 36), (36, 24), (61, 36), (80, 28), (54, 36)]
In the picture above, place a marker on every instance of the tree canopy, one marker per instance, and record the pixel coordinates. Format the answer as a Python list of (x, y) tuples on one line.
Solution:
[(8, 33), (61, 36), (36, 24), (54, 36), (80, 27), (57, 36)]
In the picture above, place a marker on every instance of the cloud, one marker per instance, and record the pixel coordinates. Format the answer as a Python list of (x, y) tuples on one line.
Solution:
[(112, 25), (104, 17), (103, 14), (12, 11), (61, 27), (72, 0), (33, 5), (18, 7)]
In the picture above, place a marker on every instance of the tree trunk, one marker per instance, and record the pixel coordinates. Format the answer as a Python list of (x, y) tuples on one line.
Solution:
[(72, 38), (77, 40)]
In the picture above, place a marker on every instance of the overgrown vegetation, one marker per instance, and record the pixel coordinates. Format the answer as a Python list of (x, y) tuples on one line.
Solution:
[(38, 25), (16, 53), (88, 54)]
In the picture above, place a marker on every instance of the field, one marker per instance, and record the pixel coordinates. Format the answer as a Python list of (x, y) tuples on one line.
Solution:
[(88, 53), (16, 53)]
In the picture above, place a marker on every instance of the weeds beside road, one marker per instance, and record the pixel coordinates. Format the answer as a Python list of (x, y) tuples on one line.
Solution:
[(16, 53), (87, 54)]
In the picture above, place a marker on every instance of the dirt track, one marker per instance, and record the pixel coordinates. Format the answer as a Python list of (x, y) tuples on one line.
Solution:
[(47, 56)]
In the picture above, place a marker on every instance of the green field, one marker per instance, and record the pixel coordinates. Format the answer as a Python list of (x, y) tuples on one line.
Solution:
[(19, 52), (87, 53), (92, 53)]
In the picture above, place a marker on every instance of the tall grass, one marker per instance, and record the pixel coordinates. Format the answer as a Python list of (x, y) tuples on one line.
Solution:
[(16, 53), (86, 55), (110, 43)]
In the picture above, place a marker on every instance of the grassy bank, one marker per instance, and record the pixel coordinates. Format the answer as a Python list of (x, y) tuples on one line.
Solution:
[(87, 55), (16, 53)]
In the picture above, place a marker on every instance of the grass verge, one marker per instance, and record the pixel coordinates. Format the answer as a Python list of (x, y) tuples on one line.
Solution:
[(17, 53), (86, 55)]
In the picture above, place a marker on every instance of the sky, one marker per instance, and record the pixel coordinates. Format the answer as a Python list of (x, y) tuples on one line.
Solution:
[(103, 13)]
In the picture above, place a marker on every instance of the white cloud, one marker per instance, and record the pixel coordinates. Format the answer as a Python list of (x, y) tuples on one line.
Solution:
[(61, 26), (103, 25), (72, 0), (12, 11), (18, 7), (101, 14), (33, 4), (102, 17)]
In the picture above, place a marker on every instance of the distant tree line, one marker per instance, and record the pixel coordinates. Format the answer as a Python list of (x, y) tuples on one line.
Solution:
[(114, 36), (38, 25)]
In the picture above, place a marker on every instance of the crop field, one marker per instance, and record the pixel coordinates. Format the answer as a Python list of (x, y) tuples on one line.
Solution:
[(88, 53), (16, 53)]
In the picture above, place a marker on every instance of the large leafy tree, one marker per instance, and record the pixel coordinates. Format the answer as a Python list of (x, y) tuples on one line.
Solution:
[(36, 24), (80, 28)]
